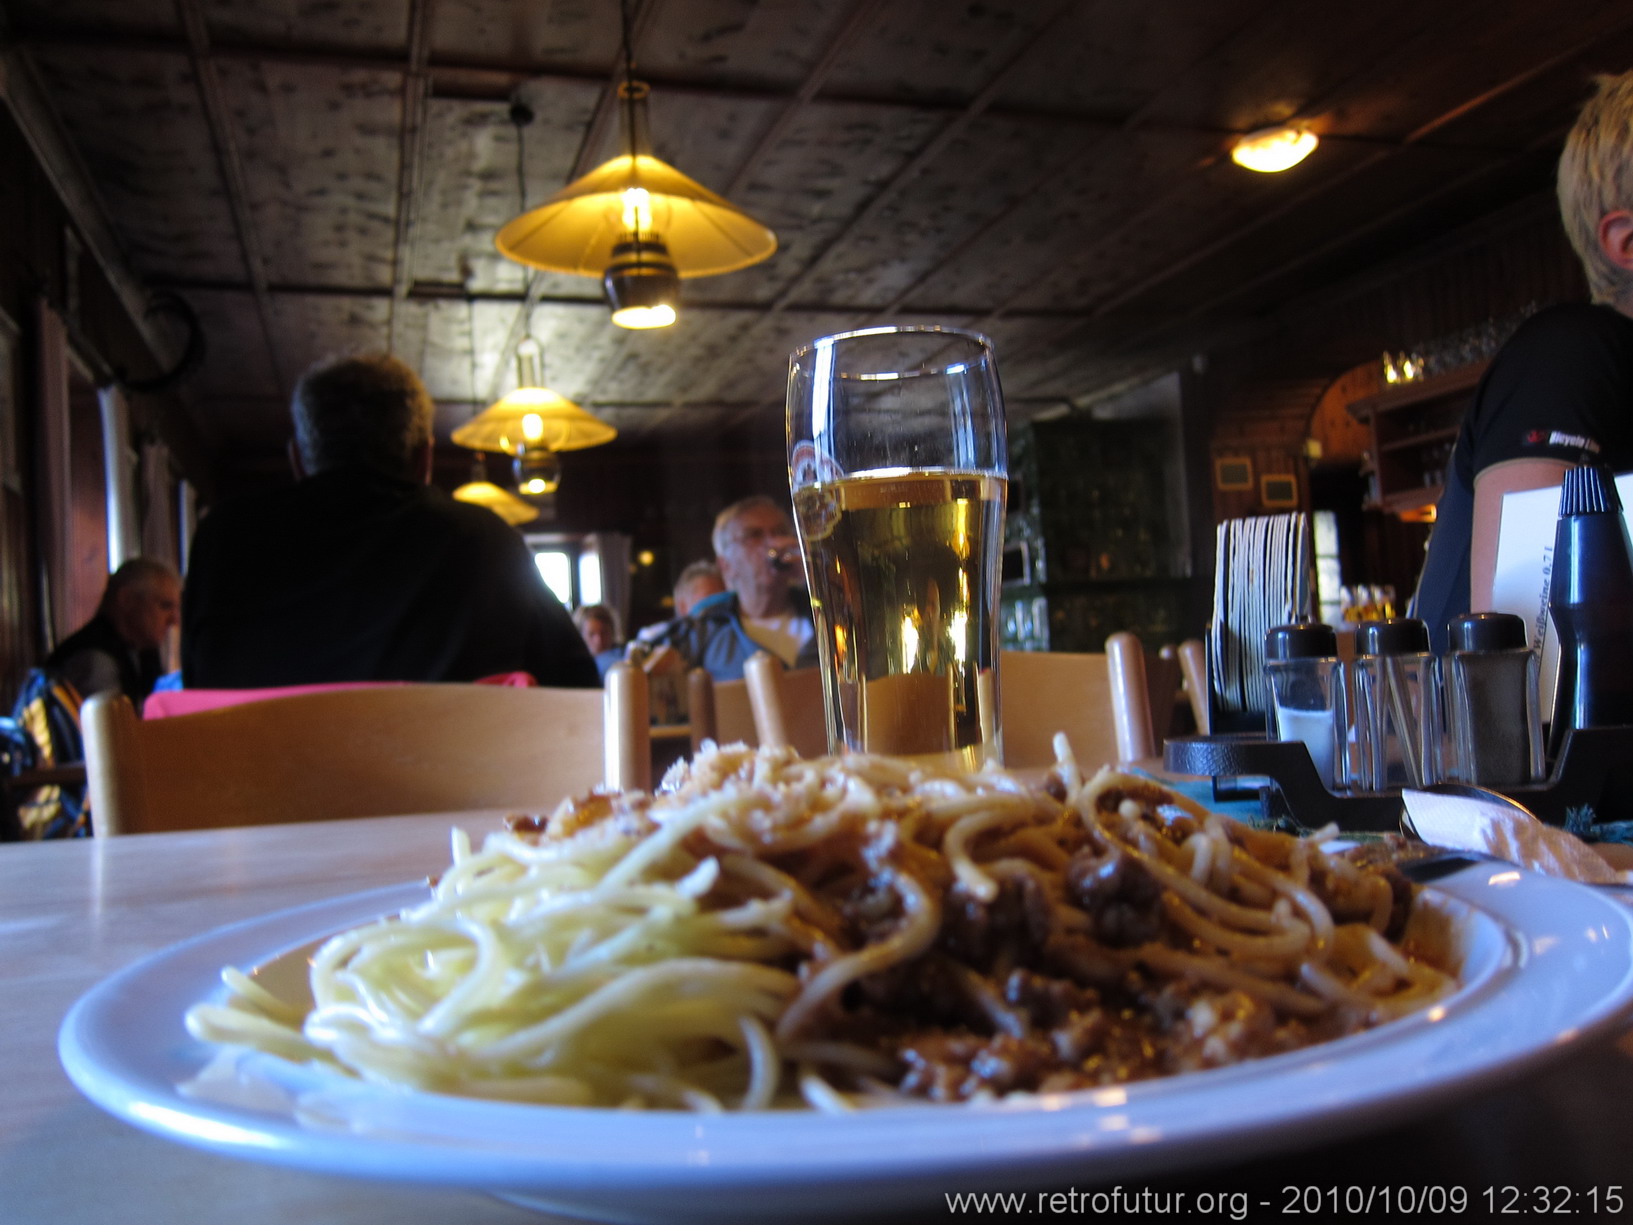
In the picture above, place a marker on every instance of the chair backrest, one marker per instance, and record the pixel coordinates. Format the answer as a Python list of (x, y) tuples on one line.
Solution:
[(787, 706), (1193, 667), (361, 752), (1044, 692), (1116, 707), (770, 705), (1101, 702)]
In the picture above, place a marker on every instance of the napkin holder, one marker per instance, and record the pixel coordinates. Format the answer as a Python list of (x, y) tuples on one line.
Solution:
[(1592, 778)]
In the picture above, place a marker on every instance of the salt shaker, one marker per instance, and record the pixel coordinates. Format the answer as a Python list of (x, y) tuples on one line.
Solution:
[(1397, 706), (1492, 703), (1306, 682)]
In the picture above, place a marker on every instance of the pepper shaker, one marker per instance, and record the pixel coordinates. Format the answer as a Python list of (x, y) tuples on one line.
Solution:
[(1492, 703)]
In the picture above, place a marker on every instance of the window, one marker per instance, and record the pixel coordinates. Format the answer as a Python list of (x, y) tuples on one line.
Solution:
[(589, 577), (1327, 574), (556, 568)]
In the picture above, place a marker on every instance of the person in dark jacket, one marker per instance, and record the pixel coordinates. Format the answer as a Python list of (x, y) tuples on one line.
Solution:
[(119, 648), (361, 571), (1560, 392)]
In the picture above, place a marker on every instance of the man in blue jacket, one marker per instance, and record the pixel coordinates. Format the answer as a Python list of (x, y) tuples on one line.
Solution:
[(764, 606)]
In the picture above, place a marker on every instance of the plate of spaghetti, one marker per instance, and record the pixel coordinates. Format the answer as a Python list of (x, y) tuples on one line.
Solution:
[(849, 983)]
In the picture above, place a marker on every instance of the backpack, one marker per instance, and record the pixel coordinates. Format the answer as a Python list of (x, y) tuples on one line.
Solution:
[(43, 731)]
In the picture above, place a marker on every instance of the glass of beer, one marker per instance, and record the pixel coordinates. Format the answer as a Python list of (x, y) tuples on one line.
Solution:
[(898, 468)]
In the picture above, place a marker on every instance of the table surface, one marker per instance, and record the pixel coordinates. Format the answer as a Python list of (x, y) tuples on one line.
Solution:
[(73, 912)]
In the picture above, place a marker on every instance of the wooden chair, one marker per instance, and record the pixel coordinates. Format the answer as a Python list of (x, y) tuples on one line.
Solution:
[(1103, 703), (1044, 692), (770, 705), (363, 752), (1193, 667)]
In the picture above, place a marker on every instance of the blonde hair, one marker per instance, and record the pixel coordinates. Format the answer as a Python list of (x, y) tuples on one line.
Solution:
[(1596, 178)]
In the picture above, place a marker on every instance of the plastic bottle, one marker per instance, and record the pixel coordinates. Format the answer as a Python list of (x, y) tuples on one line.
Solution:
[(1590, 597)]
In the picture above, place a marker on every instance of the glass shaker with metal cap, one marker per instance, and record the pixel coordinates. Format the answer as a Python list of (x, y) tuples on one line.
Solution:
[(1306, 699), (1492, 704), (1397, 706)]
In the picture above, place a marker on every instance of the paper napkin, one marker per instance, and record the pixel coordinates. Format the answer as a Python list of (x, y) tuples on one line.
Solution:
[(1464, 823)]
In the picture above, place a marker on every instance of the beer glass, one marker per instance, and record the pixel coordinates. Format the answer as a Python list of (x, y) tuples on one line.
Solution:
[(898, 470)]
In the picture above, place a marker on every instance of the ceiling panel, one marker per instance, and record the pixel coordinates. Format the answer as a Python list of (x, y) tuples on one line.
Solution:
[(336, 23), (322, 180), (141, 133), (1054, 173)]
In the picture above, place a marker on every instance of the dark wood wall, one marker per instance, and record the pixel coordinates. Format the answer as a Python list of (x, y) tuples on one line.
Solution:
[(1288, 385)]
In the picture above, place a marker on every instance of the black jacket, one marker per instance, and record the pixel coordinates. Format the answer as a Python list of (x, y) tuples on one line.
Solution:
[(351, 575)]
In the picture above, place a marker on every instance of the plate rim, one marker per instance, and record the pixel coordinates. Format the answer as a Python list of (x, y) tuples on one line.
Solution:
[(837, 1156)]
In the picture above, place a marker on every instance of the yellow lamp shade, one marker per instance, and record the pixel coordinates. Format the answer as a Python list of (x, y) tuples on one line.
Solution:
[(533, 417), (576, 229), (502, 502)]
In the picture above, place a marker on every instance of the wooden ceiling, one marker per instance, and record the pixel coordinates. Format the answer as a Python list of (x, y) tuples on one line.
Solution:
[(326, 175)]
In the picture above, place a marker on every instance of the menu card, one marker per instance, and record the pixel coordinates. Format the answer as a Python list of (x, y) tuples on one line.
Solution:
[(1525, 560)]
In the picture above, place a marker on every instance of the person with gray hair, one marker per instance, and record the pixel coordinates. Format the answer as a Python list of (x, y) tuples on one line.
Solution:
[(361, 570), (764, 606), (1560, 391), (119, 649)]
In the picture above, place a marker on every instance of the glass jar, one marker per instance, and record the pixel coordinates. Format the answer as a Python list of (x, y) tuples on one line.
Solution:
[(1306, 700), (1397, 706), (1493, 714)]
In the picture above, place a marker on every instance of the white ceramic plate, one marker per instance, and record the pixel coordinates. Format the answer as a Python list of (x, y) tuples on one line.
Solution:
[(1548, 965)]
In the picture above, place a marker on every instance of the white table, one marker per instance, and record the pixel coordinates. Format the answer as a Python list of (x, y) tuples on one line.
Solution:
[(74, 912), (71, 913)]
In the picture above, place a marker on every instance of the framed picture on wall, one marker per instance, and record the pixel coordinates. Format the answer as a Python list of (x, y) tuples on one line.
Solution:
[(1233, 473), (1280, 490), (11, 475)]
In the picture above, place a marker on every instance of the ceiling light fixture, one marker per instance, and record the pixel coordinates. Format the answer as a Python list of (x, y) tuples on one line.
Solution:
[(532, 424), (637, 223), (1272, 149), (479, 491), (538, 471)]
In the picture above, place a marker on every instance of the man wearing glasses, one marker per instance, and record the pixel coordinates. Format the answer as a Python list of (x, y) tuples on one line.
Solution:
[(764, 607)]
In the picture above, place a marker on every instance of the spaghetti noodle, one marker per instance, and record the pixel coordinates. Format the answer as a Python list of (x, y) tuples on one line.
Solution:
[(850, 929)]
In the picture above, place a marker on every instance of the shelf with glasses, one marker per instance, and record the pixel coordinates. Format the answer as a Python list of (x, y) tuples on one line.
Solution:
[(1414, 426)]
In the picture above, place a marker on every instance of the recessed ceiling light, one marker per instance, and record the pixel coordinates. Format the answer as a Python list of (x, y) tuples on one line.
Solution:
[(1271, 149)]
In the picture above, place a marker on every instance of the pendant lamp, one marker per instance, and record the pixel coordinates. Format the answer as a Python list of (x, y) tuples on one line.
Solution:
[(637, 223), (502, 502), (532, 416)]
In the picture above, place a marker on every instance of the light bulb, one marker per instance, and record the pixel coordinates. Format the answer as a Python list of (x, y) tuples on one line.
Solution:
[(641, 317), (637, 210)]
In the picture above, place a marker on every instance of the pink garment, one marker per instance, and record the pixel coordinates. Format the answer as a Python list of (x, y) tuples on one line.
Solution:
[(168, 702)]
